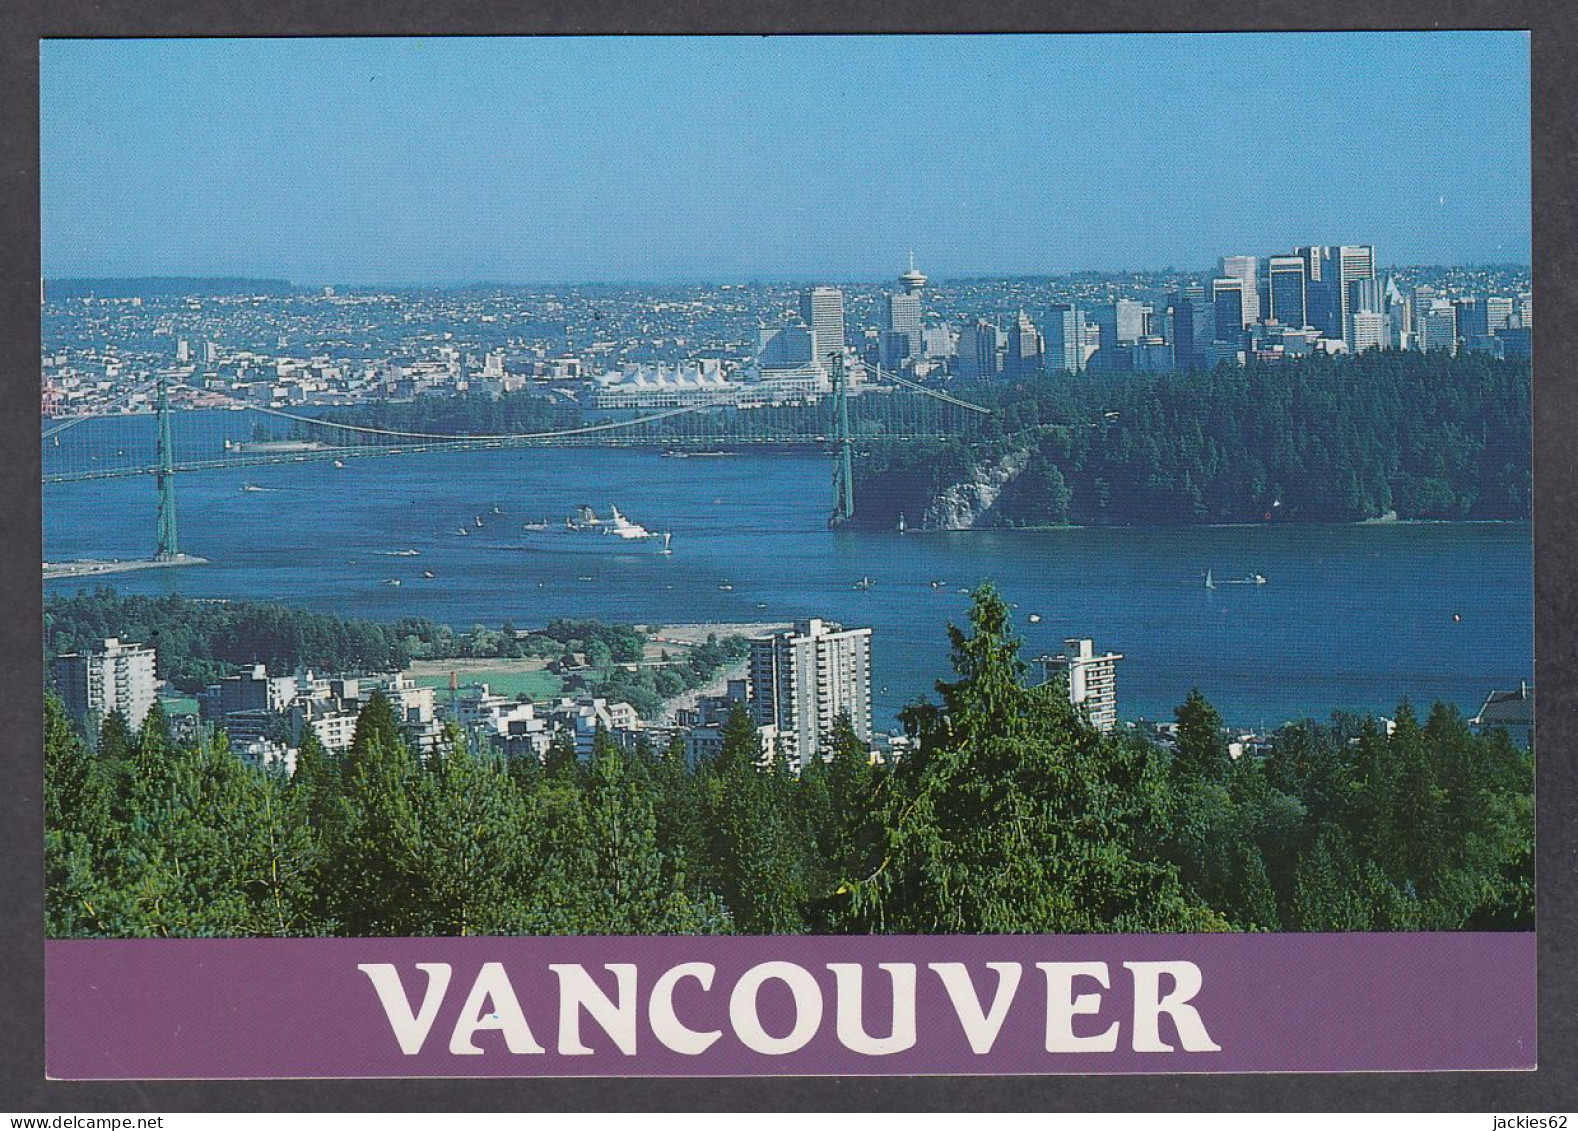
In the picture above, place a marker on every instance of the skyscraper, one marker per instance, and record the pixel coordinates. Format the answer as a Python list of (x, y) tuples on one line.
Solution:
[(1473, 319), (822, 308), (1024, 347), (1354, 264), (1367, 330), (1130, 319), (784, 347), (1286, 292), (901, 336), (1063, 339), (1227, 296), (1246, 269), (802, 680), (1321, 306), (977, 351), (1498, 313), (1437, 326)]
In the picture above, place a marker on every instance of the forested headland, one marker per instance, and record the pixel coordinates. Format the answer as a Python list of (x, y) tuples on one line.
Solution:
[(1324, 439), (1011, 815)]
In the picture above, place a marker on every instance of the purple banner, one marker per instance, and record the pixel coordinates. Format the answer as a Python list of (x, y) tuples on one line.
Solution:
[(259, 1008)]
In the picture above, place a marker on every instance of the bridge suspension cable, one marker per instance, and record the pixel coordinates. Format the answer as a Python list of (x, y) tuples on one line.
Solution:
[(917, 387), (101, 410), (722, 399)]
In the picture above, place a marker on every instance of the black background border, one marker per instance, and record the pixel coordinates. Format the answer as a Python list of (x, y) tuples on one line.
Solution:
[(1554, 27)]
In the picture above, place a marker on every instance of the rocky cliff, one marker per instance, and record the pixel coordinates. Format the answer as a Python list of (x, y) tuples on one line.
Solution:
[(967, 504)]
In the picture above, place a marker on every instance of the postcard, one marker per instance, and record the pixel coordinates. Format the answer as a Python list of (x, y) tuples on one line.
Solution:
[(724, 556)]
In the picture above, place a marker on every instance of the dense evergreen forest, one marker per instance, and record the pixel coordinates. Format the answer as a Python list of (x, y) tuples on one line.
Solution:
[(1012, 816), (1420, 435)]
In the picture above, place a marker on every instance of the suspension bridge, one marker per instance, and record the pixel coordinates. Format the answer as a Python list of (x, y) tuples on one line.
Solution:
[(889, 408)]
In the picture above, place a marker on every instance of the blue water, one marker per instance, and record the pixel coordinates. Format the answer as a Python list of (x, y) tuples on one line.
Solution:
[(1352, 618)]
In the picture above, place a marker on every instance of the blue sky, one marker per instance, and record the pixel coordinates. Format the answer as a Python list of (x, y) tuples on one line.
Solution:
[(726, 159)]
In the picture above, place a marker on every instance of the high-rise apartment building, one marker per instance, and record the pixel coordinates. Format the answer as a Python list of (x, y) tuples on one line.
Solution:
[(1246, 269), (1092, 680), (822, 309), (112, 677), (803, 679)]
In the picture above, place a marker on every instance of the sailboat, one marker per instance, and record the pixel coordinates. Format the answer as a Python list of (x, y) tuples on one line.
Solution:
[(1209, 584), (901, 522)]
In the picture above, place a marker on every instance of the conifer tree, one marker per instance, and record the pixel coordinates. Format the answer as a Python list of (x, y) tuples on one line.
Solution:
[(1014, 823), (467, 869)]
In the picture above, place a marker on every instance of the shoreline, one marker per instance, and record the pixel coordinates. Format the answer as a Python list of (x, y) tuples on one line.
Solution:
[(1045, 528), (56, 571)]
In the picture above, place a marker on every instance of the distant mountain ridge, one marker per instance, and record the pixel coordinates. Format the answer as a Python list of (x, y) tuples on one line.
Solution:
[(164, 286)]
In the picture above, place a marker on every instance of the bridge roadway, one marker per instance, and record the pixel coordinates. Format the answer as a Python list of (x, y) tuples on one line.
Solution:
[(364, 451)]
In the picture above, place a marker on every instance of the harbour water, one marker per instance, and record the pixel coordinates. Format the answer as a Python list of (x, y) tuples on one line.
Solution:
[(1351, 617)]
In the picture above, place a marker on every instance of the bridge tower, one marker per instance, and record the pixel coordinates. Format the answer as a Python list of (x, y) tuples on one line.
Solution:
[(844, 468), (168, 548)]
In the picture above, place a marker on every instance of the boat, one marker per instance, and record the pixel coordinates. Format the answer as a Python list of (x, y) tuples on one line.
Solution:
[(478, 521), (586, 531), (1034, 618), (1252, 579), (937, 583), (393, 582), (498, 510), (864, 583), (462, 531), (429, 574), (1209, 584), (726, 586), (249, 487), (901, 522), (400, 553), (339, 463)]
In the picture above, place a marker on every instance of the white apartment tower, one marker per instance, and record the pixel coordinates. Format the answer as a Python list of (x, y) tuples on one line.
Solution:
[(1092, 680), (112, 677), (801, 680)]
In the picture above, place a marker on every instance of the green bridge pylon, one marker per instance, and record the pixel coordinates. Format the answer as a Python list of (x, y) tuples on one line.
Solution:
[(168, 547), (844, 467)]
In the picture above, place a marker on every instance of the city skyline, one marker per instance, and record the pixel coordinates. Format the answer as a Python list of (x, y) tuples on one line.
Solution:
[(289, 159)]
